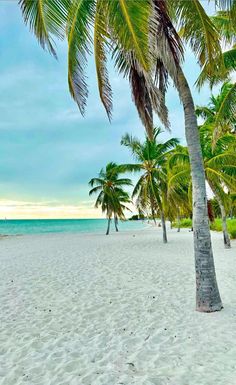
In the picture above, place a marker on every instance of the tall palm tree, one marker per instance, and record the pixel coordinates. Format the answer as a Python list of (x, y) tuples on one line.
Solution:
[(111, 196), (142, 41), (219, 165), (151, 157)]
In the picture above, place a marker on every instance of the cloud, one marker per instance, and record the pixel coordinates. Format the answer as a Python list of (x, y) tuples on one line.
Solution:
[(46, 210)]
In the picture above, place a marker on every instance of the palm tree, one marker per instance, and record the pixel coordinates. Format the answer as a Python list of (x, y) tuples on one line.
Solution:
[(221, 111), (151, 188), (111, 196), (142, 41), (219, 165)]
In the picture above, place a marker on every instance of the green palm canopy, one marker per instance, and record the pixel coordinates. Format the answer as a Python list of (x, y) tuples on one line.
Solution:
[(111, 196), (151, 159), (219, 165)]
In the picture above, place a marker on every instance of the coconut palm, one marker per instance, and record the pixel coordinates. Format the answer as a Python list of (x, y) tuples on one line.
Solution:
[(142, 41), (151, 188), (111, 196), (219, 165), (221, 111)]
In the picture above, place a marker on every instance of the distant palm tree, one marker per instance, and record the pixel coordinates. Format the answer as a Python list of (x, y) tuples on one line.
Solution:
[(151, 188), (221, 111), (219, 165), (111, 196)]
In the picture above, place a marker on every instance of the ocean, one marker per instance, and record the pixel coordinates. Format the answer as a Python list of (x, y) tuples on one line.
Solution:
[(42, 226)]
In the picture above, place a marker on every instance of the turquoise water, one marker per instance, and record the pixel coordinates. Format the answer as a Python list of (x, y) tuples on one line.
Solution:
[(39, 226)]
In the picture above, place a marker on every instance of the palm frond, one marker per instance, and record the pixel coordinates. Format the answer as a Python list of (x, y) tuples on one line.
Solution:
[(95, 190), (166, 43), (100, 54), (197, 29), (45, 19), (96, 181), (129, 21), (226, 112), (225, 25), (204, 112), (80, 17)]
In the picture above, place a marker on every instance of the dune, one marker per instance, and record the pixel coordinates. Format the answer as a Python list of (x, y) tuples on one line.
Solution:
[(86, 309)]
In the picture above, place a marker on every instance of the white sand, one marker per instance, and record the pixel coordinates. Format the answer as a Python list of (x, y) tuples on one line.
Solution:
[(97, 310)]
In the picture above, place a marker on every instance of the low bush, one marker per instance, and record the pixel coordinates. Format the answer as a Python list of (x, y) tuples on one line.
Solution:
[(215, 226), (231, 225), (185, 222)]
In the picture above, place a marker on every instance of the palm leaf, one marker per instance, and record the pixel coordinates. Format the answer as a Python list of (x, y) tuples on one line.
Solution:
[(100, 54), (129, 21), (226, 112), (197, 29), (80, 17), (45, 18), (95, 190)]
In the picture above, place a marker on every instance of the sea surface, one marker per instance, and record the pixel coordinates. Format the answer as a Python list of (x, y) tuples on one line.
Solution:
[(40, 226)]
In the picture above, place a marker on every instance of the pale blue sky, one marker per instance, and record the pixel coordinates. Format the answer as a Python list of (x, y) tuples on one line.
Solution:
[(48, 152)]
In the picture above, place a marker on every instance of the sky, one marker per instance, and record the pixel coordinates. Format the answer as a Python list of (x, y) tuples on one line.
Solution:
[(48, 151)]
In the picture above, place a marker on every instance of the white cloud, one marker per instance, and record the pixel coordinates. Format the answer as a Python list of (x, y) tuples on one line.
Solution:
[(48, 210)]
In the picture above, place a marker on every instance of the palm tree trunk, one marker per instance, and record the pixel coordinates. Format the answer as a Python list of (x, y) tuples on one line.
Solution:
[(163, 224), (116, 223), (207, 292), (178, 219), (153, 217), (108, 225), (226, 237)]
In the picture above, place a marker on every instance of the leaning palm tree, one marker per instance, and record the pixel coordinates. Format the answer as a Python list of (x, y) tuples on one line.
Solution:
[(151, 188), (142, 40), (111, 196), (219, 165)]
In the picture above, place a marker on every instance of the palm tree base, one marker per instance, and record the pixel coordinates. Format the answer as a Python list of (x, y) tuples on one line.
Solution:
[(209, 309)]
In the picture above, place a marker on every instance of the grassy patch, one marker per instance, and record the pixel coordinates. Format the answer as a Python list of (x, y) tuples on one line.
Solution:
[(216, 225), (231, 225), (185, 222)]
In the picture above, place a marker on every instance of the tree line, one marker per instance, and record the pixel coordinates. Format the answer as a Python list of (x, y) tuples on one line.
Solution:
[(164, 186)]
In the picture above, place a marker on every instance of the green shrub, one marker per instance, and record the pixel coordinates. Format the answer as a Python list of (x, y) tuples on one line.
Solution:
[(231, 225), (185, 222), (215, 226), (232, 233)]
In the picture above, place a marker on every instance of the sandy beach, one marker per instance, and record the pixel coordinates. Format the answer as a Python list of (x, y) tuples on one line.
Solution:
[(94, 310)]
